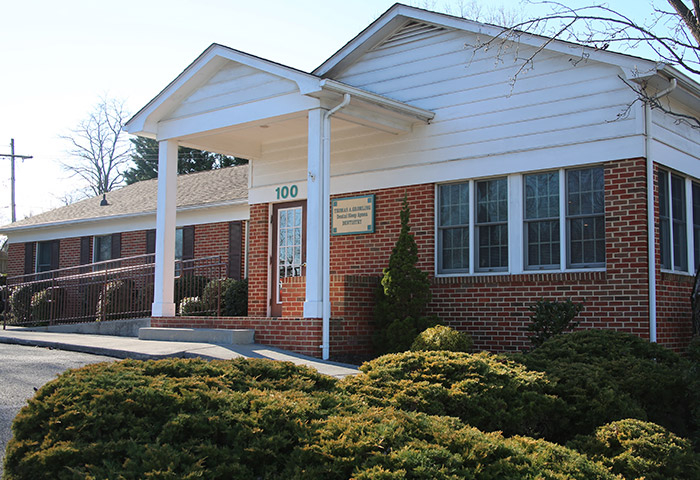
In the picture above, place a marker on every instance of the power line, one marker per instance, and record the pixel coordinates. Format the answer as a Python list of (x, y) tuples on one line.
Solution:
[(12, 157)]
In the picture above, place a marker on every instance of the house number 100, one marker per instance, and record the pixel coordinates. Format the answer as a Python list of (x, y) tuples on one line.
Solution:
[(287, 192)]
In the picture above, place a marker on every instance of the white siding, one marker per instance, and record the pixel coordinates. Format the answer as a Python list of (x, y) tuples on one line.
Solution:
[(676, 143), (234, 84), (563, 111)]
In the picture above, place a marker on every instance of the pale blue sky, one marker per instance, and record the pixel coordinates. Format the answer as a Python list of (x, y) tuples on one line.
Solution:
[(58, 58)]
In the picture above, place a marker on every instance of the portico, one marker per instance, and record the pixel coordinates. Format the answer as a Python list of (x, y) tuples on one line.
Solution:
[(233, 103)]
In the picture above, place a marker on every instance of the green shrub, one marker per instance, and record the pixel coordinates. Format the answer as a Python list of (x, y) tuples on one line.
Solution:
[(692, 379), (214, 294), (236, 299), (191, 306), (486, 391), (551, 318), (403, 295), (179, 419), (116, 300), (383, 443), (189, 285), (637, 449), (48, 304), (604, 375), (442, 338), (20, 301)]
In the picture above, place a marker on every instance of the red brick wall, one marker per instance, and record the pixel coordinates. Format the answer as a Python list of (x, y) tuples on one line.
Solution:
[(258, 260), (133, 243), (300, 335), (210, 239)]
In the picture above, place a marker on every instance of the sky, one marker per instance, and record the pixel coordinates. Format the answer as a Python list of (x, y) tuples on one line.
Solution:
[(59, 58)]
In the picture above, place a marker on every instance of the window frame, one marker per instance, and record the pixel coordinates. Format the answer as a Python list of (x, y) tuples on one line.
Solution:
[(516, 224), (689, 238), (40, 246), (95, 250)]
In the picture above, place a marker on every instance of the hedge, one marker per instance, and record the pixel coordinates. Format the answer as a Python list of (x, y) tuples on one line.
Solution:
[(176, 419), (484, 390), (604, 376), (637, 449)]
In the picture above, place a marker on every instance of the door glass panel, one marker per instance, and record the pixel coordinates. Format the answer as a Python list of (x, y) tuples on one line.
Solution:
[(289, 244)]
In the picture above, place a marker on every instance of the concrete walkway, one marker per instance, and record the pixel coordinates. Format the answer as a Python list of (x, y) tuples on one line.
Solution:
[(130, 347)]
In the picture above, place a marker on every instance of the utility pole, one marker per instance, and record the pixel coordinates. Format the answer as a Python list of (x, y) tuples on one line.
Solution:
[(12, 157)]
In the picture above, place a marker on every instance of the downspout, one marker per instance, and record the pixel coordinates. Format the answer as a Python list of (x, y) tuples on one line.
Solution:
[(651, 225), (325, 347)]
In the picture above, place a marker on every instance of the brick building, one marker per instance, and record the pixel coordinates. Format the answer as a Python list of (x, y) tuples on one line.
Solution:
[(558, 185), (212, 211)]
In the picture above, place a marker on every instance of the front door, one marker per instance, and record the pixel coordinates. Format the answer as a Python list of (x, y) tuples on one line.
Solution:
[(288, 248)]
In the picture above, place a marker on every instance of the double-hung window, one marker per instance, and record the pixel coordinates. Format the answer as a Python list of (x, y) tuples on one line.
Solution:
[(492, 224), (559, 223), (102, 248), (585, 217), (453, 227), (673, 221), (541, 218)]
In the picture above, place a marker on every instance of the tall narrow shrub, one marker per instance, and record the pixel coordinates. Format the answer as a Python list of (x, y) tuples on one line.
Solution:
[(403, 295)]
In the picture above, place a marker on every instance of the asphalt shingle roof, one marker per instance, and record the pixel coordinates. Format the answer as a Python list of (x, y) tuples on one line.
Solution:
[(193, 190)]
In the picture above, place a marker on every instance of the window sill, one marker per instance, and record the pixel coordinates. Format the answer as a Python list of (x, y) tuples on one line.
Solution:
[(526, 276)]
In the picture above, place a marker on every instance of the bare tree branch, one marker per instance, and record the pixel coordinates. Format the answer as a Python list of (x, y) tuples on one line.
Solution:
[(100, 147), (673, 35)]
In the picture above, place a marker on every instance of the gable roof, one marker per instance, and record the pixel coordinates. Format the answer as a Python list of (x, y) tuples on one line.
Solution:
[(401, 21), (225, 186)]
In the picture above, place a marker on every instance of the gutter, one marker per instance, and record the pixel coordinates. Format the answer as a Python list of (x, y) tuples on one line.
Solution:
[(651, 224), (326, 150)]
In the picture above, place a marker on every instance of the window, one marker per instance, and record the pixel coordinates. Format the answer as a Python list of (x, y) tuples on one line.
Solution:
[(558, 223), (44, 257), (541, 217), (674, 203), (492, 224), (453, 227), (585, 217), (696, 224), (102, 248)]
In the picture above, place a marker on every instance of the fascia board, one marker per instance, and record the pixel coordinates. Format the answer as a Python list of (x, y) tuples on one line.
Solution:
[(25, 228)]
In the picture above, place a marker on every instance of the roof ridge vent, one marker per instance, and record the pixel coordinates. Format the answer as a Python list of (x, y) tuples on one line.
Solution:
[(408, 33)]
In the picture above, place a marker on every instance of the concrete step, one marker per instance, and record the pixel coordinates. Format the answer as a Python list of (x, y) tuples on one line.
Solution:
[(219, 336)]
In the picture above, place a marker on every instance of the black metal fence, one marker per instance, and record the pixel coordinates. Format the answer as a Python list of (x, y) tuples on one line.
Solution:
[(110, 290)]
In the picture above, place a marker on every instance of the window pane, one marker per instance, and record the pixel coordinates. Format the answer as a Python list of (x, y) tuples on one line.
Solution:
[(178, 244), (492, 201), (103, 248), (664, 221), (453, 224), (492, 224), (542, 243)]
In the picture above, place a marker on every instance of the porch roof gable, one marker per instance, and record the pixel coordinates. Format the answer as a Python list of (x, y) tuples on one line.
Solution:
[(226, 88)]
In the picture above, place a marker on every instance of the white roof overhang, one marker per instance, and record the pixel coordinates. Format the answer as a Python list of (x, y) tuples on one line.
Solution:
[(234, 127)]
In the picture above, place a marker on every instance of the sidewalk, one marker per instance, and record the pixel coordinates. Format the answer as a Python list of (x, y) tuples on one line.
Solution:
[(131, 347)]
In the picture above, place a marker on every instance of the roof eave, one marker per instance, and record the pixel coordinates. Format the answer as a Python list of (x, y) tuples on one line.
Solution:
[(8, 230)]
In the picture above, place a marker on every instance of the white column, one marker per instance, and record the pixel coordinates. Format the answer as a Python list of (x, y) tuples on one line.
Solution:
[(163, 301), (313, 306)]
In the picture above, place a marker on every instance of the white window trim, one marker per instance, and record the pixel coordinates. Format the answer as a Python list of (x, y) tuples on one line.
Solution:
[(516, 235), (688, 181), (36, 255)]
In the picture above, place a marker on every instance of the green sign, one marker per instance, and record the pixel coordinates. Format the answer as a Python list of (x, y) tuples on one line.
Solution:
[(352, 215)]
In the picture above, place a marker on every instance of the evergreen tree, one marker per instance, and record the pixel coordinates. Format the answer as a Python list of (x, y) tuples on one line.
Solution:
[(403, 295), (145, 159)]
